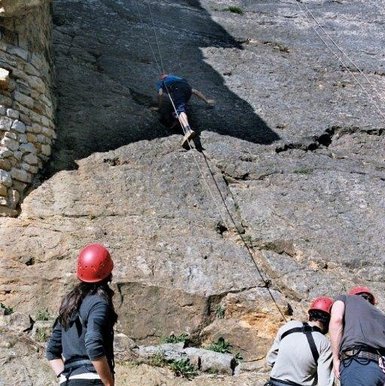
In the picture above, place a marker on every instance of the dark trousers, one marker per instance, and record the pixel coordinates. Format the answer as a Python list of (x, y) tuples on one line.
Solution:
[(361, 372), (181, 94), (277, 382), (83, 382)]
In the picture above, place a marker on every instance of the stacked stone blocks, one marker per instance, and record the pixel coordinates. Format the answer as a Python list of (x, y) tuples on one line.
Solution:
[(27, 129)]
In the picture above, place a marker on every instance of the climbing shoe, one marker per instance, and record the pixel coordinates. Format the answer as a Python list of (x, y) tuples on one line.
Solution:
[(190, 134)]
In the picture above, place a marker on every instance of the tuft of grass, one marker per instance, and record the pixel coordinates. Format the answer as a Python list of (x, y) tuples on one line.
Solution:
[(183, 368), (224, 347), (303, 171), (234, 9), (42, 315), (7, 310), (172, 338), (220, 311), (221, 346), (158, 360), (41, 335)]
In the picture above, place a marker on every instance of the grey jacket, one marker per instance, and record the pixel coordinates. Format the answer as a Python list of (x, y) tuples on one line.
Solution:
[(292, 359), (89, 337)]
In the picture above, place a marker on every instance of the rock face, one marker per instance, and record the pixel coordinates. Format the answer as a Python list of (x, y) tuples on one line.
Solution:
[(280, 201), (10, 8), (26, 99)]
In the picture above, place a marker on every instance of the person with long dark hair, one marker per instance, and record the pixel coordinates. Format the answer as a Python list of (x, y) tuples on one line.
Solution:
[(80, 350)]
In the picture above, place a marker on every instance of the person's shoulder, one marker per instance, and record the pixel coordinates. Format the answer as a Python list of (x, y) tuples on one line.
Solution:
[(173, 77), (290, 324), (294, 323), (323, 342), (91, 300)]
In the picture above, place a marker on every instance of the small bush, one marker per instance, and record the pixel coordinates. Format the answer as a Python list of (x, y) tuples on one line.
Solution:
[(176, 338), (158, 360), (303, 171), (234, 9), (221, 345), (224, 347), (220, 311), (183, 368), (41, 335), (42, 315)]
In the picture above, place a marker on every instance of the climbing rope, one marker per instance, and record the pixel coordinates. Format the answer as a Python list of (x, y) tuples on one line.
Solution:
[(191, 146), (303, 8), (156, 38), (159, 66), (250, 251)]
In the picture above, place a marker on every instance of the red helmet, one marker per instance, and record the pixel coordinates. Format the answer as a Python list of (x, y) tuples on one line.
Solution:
[(363, 290), (322, 303), (94, 263)]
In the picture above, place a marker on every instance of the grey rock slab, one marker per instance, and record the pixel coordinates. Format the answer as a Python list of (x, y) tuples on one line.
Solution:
[(211, 361)]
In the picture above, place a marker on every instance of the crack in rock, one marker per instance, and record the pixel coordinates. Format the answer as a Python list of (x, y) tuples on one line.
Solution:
[(327, 138)]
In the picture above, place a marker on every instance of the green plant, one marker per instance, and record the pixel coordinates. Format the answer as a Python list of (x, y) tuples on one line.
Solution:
[(42, 315), (248, 239), (183, 368), (221, 345), (41, 335), (172, 338), (158, 360), (234, 9), (220, 311), (303, 171), (7, 310)]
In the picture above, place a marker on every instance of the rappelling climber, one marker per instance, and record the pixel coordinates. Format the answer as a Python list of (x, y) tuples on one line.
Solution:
[(80, 350), (180, 91), (301, 353), (357, 334)]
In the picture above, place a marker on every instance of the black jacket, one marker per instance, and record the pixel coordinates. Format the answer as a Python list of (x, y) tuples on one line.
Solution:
[(89, 336)]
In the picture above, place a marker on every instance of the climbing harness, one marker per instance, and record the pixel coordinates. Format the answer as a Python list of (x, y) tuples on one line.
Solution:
[(278, 382), (307, 330), (364, 352)]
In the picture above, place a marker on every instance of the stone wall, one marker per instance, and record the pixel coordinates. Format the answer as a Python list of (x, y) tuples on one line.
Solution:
[(27, 105)]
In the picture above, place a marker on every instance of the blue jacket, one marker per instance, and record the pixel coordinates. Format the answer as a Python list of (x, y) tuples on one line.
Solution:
[(90, 335), (169, 80)]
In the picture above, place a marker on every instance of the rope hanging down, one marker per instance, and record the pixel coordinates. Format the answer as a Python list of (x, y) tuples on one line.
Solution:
[(250, 251), (156, 38), (191, 146), (160, 68), (303, 8)]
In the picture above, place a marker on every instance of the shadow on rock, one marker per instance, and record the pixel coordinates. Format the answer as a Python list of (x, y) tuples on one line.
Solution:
[(108, 58)]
